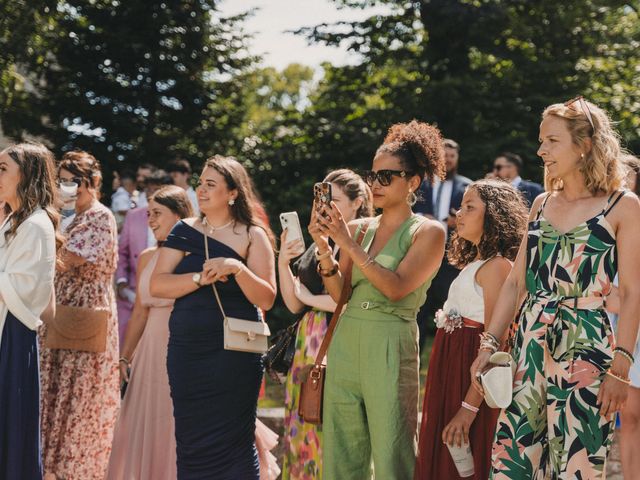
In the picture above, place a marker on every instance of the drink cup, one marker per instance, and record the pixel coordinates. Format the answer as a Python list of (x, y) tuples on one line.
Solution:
[(463, 459), (68, 193)]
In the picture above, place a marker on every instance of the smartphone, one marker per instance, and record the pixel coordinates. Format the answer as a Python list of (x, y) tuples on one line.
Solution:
[(322, 194), (291, 222)]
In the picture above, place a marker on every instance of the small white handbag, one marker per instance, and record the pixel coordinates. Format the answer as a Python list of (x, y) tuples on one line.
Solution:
[(241, 335), (497, 382)]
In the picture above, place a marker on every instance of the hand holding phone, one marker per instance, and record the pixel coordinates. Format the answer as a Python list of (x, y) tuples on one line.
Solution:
[(323, 194), (291, 223)]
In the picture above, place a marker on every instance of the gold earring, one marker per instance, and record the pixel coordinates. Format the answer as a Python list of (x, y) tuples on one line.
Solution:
[(412, 198)]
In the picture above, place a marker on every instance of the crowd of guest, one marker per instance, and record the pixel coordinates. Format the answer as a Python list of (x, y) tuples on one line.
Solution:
[(119, 350)]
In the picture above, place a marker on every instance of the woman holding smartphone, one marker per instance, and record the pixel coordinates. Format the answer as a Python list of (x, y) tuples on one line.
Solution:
[(372, 384), (302, 291), (571, 376)]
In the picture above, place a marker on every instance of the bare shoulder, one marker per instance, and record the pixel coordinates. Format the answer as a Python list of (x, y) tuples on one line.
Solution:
[(145, 256), (627, 208), (537, 203), (430, 230), (259, 234), (494, 269)]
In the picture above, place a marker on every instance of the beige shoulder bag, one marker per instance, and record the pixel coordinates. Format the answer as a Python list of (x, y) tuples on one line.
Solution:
[(241, 335)]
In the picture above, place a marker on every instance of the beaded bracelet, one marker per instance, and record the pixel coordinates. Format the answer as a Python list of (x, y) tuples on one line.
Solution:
[(625, 353), (620, 378), (328, 272), (470, 407)]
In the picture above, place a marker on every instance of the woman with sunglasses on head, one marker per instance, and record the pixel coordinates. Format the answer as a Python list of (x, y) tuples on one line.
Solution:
[(571, 377), (371, 389), (80, 387), (27, 265)]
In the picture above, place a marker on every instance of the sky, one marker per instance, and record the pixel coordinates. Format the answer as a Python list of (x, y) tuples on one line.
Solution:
[(274, 17)]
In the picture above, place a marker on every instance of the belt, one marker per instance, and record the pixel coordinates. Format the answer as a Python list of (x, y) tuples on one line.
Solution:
[(555, 310)]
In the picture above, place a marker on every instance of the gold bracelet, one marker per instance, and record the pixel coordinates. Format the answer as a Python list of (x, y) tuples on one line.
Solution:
[(620, 378)]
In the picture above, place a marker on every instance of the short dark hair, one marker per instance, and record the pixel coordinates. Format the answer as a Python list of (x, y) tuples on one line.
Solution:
[(124, 174), (158, 177), (180, 166), (448, 143), (148, 166), (513, 159)]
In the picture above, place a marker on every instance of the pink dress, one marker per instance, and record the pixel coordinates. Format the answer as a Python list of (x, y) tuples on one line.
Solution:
[(80, 394), (144, 444)]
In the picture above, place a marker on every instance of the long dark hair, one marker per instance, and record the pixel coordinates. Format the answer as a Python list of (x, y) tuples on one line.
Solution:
[(85, 166), (36, 187), (247, 204)]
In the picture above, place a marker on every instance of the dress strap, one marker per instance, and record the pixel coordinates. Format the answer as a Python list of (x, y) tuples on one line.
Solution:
[(610, 204), (542, 205)]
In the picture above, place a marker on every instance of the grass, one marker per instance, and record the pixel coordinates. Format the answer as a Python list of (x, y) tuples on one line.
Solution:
[(274, 393)]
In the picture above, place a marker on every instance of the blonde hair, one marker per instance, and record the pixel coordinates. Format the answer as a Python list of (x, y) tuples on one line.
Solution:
[(601, 166)]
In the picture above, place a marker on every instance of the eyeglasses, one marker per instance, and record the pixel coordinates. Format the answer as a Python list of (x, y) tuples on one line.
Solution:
[(76, 180), (384, 177), (585, 109)]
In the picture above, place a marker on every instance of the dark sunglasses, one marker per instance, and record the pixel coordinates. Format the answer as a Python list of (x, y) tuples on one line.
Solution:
[(585, 109), (76, 180), (384, 177)]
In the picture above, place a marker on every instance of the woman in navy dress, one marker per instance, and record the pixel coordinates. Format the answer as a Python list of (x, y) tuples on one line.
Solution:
[(27, 264), (215, 391)]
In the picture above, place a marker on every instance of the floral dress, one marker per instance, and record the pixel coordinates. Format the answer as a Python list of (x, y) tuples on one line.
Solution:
[(80, 391), (303, 441), (563, 346)]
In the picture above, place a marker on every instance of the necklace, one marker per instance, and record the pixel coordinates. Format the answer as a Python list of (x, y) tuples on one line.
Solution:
[(213, 229)]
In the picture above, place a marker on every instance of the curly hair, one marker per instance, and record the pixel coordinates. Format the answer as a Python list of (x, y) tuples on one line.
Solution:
[(505, 222), (419, 146)]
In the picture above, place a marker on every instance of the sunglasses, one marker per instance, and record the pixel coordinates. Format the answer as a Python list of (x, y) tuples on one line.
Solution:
[(384, 177), (585, 109), (76, 180)]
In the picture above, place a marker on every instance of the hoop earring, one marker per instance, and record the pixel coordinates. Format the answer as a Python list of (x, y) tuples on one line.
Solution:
[(231, 202), (412, 198)]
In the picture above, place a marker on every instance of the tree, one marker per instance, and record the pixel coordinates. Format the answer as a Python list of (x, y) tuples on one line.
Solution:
[(137, 81)]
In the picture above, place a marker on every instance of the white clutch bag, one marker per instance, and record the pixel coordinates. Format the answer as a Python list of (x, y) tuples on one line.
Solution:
[(497, 382)]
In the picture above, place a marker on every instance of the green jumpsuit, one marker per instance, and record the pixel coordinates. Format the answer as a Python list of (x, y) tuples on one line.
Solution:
[(372, 382)]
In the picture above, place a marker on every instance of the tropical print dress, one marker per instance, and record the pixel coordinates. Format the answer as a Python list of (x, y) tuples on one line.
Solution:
[(562, 346)]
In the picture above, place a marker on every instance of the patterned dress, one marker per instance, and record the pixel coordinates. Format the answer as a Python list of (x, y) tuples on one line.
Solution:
[(80, 391), (303, 441), (563, 346)]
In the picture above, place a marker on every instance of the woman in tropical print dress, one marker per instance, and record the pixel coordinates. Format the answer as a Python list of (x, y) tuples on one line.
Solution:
[(302, 289), (570, 377)]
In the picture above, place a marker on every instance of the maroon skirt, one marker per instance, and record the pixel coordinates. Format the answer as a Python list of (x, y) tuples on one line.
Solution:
[(448, 381)]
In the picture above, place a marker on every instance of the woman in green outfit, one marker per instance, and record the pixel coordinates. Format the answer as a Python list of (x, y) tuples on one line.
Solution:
[(571, 377), (371, 389), (302, 291)]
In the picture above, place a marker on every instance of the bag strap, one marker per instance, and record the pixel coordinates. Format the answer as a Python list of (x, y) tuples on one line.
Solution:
[(344, 297), (213, 285)]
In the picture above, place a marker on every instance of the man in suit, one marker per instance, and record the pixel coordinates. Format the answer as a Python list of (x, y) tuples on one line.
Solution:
[(135, 237), (507, 166), (441, 200)]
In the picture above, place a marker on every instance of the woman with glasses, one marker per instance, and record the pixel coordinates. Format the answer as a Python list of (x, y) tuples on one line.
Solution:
[(79, 350), (571, 376), (371, 390), (27, 266)]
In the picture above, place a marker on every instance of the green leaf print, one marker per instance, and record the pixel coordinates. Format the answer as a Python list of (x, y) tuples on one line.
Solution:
[(534, 411), (591, 434), (556, 453), (534, 361)]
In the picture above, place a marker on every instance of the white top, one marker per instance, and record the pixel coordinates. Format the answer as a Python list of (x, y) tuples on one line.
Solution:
[(465, 295), (27, 268), (515, 183), (120, 200), (445, 199)]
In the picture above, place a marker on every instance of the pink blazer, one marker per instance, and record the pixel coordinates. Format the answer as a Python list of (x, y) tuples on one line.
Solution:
[(133, 240)]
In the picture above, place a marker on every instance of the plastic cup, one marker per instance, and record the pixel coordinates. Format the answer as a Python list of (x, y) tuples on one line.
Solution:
[(463, 459), (68, 192)]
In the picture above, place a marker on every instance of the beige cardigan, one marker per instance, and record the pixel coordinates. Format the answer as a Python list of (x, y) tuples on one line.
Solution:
[(27, 269)]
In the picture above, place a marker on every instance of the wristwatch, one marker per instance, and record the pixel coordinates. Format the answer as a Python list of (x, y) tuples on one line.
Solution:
[(196, 279)]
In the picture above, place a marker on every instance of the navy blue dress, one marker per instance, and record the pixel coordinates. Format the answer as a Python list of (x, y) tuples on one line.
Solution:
[(214, 391), (19, 403)]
